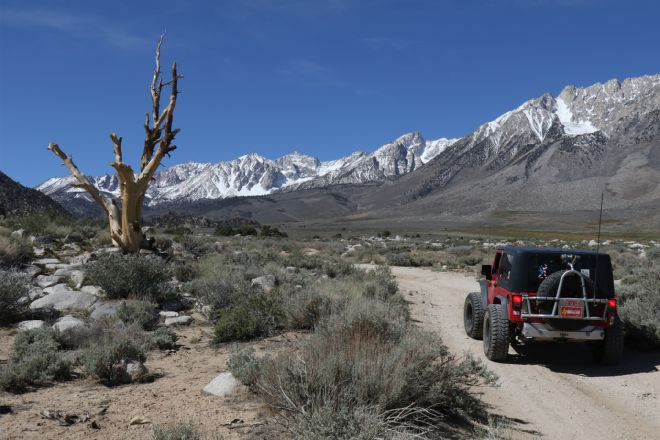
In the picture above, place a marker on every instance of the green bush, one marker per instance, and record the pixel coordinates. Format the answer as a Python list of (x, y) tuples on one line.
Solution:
[(225, 231), (370, 356), (640, 305), (244, 365), (258, 314), (180, 431), (186, 272), (14, 251), (124, 276), (197, 245), (141, 313), (164, 338), (36, 361), (98, 360), (13, 290), (271, 231)]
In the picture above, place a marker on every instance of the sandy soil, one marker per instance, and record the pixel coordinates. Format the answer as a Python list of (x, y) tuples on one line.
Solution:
[(176, 395), (551, 390)]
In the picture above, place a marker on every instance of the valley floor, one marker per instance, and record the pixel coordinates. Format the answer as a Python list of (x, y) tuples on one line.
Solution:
[(547, 390)]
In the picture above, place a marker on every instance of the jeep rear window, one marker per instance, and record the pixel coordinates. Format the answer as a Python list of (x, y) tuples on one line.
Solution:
[(543, 264)]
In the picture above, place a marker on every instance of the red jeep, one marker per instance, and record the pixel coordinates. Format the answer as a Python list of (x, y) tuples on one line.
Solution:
[(546, 295)]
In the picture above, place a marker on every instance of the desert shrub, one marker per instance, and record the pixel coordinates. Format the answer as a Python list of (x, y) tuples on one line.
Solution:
[(225, 231), (36, 360), (13, 290), (101, 238), (244, 365), (123, 276), (197, 245), (163, 338), (271, 231), (98, 359), (141, 313), (640, 305), (344, 423), (370, 356), (163, 243), (180, 431), (14, 251), (185, 272), (258, 314)]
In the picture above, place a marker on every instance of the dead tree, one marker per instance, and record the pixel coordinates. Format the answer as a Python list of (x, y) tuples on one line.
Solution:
[(124, 219)]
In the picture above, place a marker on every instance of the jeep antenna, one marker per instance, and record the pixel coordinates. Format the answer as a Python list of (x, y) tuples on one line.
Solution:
[(600, 222)]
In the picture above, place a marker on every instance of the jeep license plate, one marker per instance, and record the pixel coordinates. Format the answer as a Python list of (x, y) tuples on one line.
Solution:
[(571, 308)]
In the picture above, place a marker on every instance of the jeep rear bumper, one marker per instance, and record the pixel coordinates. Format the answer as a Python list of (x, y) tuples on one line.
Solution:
[(542, 332)]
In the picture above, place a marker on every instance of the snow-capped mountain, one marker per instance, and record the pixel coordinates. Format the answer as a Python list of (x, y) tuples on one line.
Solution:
[(253, 174)]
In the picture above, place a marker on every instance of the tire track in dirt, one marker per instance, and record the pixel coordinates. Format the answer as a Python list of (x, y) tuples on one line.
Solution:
[(551, 390)]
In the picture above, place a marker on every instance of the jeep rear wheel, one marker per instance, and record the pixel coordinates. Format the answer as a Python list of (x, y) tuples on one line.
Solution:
[(473, 316), (609, 351), (496, 333)]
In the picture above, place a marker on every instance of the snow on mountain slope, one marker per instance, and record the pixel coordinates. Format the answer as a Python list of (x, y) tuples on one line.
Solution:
[(252, 174)]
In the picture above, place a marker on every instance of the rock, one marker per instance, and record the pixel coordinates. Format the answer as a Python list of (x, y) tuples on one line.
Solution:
[(94, 290), (80, 259), (62, 287), (32, 324), (67, 322), (45, 261), (137, 371), (71, 247), (179, 320), (129, 371), (207, 311), (146, 252), (266, 282), (66, 270), (44, 281), (77, 277), (139, 421), (104, 309), (174, 305), (168, 314), (35, 293), (291, 269), (39, 252), (32, 271), (223, 385), (18, 233), (68, 299), (592, 243)]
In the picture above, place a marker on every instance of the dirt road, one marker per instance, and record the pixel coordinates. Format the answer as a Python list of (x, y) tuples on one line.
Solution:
[(549, 390)]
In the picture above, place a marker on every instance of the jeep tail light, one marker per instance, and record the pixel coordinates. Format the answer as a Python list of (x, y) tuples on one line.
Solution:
[(516, 302), (611, 303)]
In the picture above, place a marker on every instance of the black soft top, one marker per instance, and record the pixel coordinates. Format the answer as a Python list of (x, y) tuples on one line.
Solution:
[(524, 264)]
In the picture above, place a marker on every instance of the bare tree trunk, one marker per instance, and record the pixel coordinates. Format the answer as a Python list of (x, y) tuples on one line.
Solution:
[(125, 220)]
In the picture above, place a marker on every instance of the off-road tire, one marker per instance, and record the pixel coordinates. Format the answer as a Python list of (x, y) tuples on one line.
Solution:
[(496, 333), (473, 316), (609, 351)]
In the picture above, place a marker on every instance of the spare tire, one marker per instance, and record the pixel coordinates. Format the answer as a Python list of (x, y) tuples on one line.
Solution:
[(572, 288)]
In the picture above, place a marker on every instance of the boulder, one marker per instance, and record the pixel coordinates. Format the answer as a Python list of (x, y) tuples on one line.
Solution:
[(32, 271), (45, 261), (179, 320), (168, 314), (35, 293), (62, 287), (32, 324), (223, 385), (18, 233), (44, 281), (266, 282), (80, 259), (77, 277), (105, 309), (94, 290), (129, 371), (67, 322), (66, 270), (66, 299)]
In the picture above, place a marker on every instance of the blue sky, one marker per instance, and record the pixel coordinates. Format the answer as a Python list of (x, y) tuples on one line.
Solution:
[(326, 77)]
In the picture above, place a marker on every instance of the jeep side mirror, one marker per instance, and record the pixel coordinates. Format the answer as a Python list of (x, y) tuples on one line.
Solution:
[(487, 271)]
